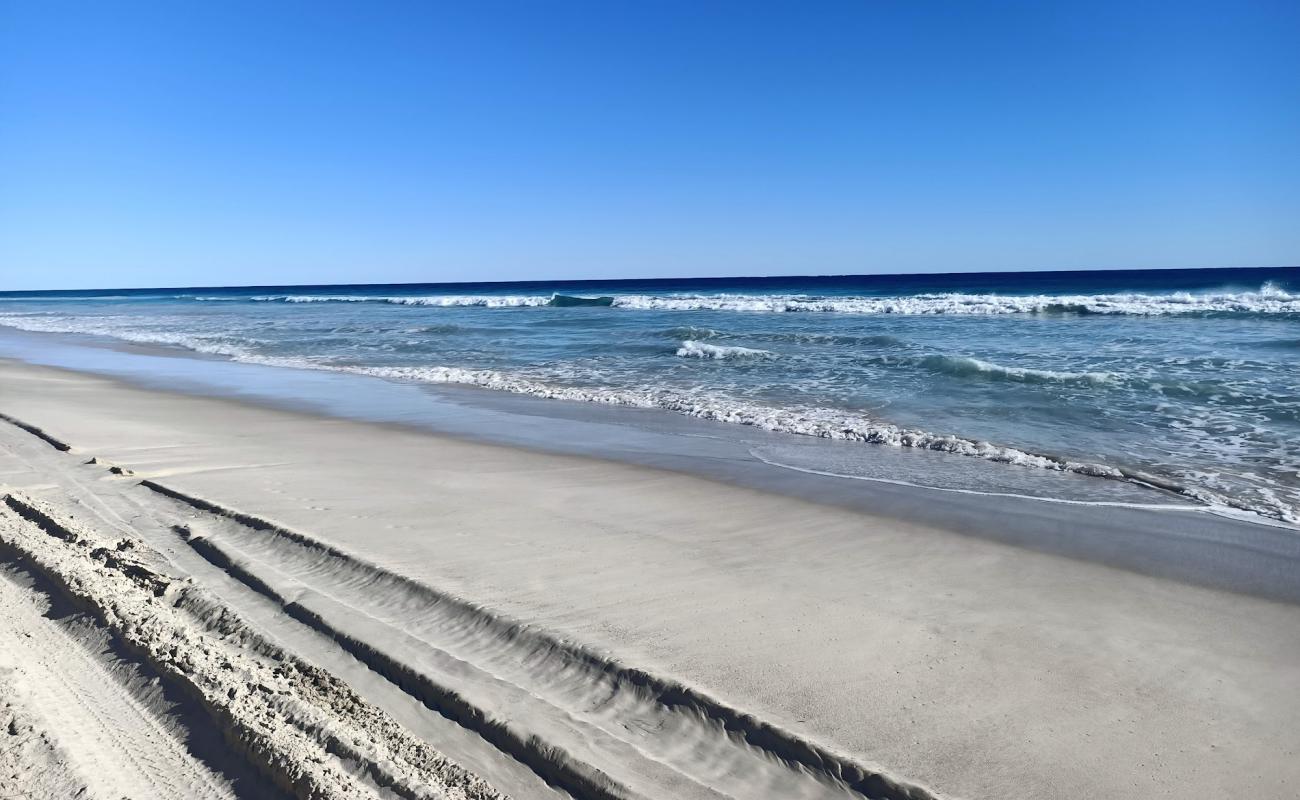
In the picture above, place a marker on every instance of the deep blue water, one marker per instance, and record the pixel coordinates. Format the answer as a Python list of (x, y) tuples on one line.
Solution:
[(1180, 378), (1060, 282)]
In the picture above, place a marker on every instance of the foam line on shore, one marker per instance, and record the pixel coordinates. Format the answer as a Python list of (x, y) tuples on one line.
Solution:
[(1268, 503), (1203, 509)]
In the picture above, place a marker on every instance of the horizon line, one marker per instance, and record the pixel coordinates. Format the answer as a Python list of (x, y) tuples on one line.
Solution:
[(717, 278)]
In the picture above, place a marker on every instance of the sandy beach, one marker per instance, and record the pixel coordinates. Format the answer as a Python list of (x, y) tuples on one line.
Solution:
[(649, 401), (540, 625)]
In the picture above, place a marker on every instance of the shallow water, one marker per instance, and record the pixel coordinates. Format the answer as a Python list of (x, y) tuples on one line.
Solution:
[(1185, 379)]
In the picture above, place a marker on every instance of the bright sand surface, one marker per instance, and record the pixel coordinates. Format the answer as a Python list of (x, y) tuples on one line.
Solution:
[(972, 668)]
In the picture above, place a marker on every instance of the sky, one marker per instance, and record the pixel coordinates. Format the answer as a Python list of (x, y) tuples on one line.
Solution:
[(238, 143)]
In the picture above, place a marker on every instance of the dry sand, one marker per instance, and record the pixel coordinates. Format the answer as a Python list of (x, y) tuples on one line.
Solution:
[(565, 623)]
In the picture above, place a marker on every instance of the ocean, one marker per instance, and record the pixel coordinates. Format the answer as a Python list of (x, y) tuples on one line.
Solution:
[(1185, 382)]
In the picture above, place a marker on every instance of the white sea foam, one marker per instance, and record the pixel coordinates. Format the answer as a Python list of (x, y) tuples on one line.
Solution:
[(807, 421), (446, 301), (693, 349), (1268, 299), (822, 423), (209, 345)]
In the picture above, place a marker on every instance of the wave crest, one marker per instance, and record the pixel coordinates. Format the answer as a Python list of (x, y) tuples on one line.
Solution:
[(694, 349), (963, 366), (1268, 299), (442, 301)]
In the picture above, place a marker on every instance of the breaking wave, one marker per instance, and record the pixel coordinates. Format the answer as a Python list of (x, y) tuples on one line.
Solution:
[(693, 349), (1268, 299), (962, 366), (439, 301), (568, 301), (443, 301)]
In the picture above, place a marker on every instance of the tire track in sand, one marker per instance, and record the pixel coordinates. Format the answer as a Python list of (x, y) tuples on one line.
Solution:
[(111, 742)]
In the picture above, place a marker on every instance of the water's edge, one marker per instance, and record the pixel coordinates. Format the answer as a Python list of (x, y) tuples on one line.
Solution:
[(1172, 540)]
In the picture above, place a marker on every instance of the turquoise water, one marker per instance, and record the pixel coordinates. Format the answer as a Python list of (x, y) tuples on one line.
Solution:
[(1180, 379)]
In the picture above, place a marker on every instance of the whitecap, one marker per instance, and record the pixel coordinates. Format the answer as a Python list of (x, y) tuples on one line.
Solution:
[(694, 349), (964, 366)]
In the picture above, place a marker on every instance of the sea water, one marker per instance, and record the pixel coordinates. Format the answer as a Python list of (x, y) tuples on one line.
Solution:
[(1188, 380)]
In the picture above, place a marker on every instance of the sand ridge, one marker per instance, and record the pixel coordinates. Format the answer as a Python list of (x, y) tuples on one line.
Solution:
[(628, 733), (306, 731)]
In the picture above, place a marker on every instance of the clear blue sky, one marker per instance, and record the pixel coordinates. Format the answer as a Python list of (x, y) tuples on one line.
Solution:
[(167, 143)]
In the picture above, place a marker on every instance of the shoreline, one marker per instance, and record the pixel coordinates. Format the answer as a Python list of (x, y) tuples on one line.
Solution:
[(819, 424), (951, 660), (1172, 538)]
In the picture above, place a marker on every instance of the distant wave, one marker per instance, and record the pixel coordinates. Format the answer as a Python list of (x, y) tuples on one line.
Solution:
[(1268, 299), (437, 329), (799, 337), (693, 349), (569, 301), (443, 301), (962, 366), (1279, 344), (804, 337), (691, 332)]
